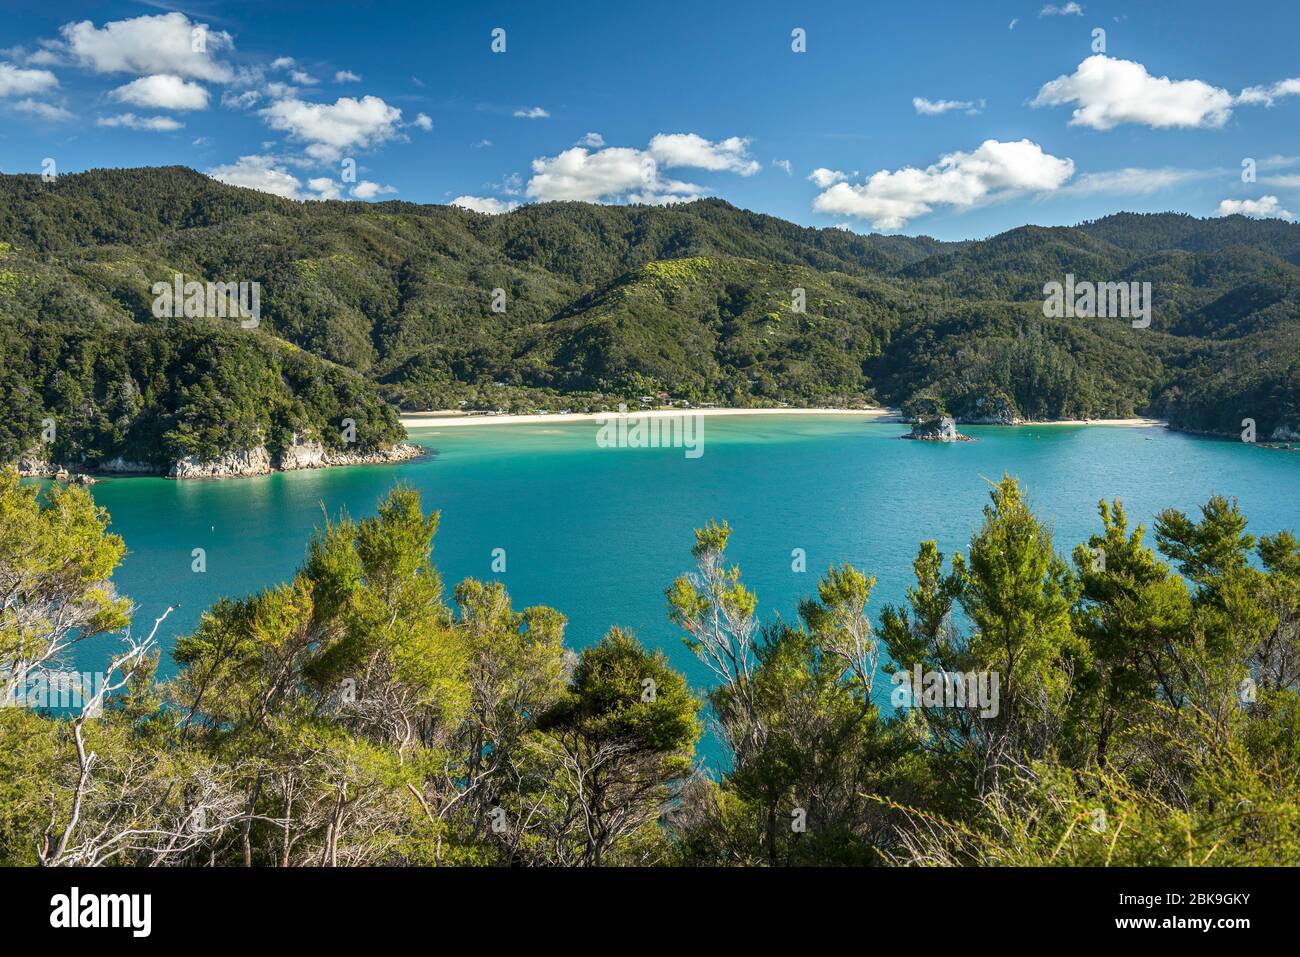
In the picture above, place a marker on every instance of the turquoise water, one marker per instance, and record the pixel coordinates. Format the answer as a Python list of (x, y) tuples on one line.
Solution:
[(599, 533)]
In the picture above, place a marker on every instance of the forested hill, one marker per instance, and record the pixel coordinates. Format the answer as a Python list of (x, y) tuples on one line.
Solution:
[(597, 304)]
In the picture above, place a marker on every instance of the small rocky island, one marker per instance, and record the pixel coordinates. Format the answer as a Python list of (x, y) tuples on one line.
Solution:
[(942, 429)]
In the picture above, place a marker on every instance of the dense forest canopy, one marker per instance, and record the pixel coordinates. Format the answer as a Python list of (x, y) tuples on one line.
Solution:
[(580, 306)]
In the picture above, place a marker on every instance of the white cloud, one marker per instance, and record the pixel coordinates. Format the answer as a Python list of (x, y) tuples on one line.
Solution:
[(1267, 95), (691, 149), (240, 101), (153, 124), (484, 204), (784, 165), (162, 91), (1135, 181), (994, 171), (610, 174), (262, 173), (423, 121), (1290, 181), (15, 81), (1266, 207), (148, 45), (824, 177), (281, 91), (936, 107), (593, 140), (1109, 92), (324, 187), (302, 78), (331, 128), (368, 190), (1070, 9), (582, 175), (1012, 24), (46, 111), (624, 174), (346, 76), (532, 113)]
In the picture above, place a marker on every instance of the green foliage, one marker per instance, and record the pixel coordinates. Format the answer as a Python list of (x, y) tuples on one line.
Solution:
[(604, 304)]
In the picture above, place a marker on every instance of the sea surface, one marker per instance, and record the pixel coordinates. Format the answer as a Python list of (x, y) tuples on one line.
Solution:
[(600, 532)]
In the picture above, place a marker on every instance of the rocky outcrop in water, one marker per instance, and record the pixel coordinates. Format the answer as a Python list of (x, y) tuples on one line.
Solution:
[(936, 430), (242, 462), (303, 455), (401, 452), (32, 465), (236, 464), (313, 455)]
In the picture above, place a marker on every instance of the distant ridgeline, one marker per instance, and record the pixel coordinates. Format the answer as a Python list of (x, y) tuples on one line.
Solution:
[(570, 305)]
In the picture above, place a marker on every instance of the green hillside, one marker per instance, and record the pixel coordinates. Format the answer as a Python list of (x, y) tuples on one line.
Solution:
[(393, 302)]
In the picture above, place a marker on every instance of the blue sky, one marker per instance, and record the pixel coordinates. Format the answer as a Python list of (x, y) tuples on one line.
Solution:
[(950, 119)]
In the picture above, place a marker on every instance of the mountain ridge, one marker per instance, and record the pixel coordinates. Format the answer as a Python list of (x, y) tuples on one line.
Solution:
[(597, 304)]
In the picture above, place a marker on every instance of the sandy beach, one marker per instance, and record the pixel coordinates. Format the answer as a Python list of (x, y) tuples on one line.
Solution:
[(1134, 423), (451, 417), (442, 419)]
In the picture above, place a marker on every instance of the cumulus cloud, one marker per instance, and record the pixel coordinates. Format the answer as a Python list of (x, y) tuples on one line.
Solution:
[(1070, 9), (368, 190), (593, 172), (1266, 207), (346, 76), (153, 124), (15, 81), (1108, 92), (303, 79), (162, 91), (579, 174), (260, 173), (936, 107), (150, 44), (267, 175), (331, 128), (423, 121), (994, 171), (691, 149), (484, 204), (532, 113), (323, 186), (283, 63), (824, 177), (46, 111)]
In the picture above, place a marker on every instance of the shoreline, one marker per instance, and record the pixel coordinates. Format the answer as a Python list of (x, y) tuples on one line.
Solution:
[(232, 465), (449, 418)]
